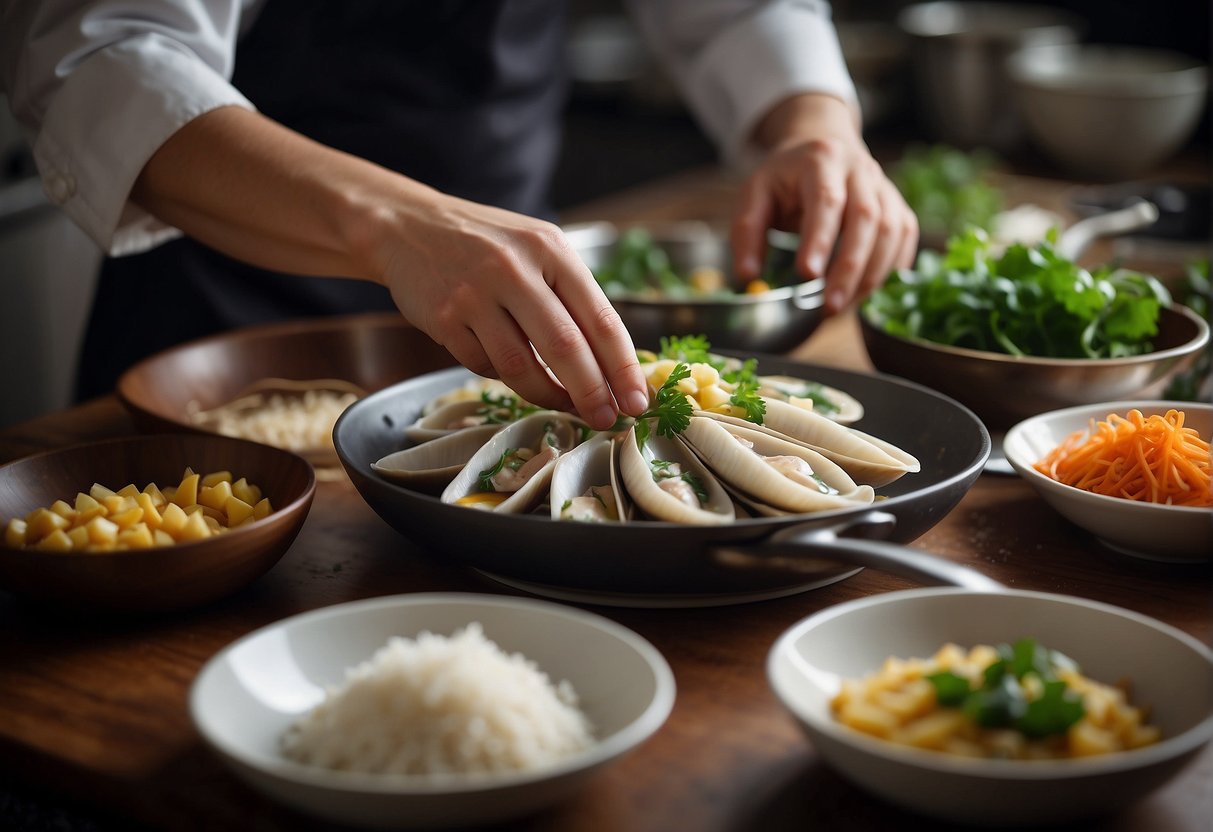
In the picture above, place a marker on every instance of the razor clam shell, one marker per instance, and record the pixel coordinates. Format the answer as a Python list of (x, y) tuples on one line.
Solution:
[(645, 493), (592, 463), (850, 410), (471, 391), (867, 460), (434, 424), (525, 433), (430, 466), (744, 470)]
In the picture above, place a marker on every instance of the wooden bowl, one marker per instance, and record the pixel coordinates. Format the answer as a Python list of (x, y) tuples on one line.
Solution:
[(370, 351), (164, 578)]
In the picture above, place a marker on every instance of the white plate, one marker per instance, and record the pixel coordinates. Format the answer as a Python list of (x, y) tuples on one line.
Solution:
[(1147, 530), (248, 694), (808, 662)]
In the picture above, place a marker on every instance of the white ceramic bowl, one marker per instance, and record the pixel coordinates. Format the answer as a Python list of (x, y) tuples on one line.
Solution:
[(246, 696), (808, 662), (1147, 530), (1109, 112)]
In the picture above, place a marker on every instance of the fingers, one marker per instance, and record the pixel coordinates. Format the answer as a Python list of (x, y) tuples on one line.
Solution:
[(823, 197), (515, 362), (748, 232)]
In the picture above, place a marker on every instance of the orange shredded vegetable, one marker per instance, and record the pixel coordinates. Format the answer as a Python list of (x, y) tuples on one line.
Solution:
[(1152, 459)]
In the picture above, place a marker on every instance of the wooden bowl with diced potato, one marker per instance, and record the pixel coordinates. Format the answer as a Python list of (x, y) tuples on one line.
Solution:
[(148, 523)]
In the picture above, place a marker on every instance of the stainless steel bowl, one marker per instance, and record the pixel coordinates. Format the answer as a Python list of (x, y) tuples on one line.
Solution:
[(776, 321), (1005, 389)]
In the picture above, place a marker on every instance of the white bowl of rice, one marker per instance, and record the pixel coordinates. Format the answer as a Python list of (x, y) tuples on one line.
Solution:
[(430, 710)]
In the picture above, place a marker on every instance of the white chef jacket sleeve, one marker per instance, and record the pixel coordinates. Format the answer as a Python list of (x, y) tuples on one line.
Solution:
[(736, 59), (99, 86)]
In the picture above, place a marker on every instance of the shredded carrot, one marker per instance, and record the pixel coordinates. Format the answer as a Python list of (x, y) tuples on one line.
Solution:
[(1153, 459)]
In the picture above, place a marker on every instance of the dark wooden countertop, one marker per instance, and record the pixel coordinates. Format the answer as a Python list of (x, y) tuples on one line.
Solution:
[(95, 710)]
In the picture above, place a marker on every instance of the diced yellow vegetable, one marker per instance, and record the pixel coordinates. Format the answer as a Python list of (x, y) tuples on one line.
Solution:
[(162, 537), (79, 537), (173, 519), (151, 514), (237, 511), (138, 536), (246, 491), (214, 496), (14, 533), (99, 492), (195, 528), (127, 519), (187, 492), (216, 477), (101, 530), (153, 491), (263, 509), (63, 509), (56, 541), (42, 521), (128, 490)]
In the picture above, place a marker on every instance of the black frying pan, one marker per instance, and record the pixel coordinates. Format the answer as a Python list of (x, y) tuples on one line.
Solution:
[(658, 564)]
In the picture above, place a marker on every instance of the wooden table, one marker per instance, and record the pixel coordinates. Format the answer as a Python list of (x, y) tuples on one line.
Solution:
[(95, 710)]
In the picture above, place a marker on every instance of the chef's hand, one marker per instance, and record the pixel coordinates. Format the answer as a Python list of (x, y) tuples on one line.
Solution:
[(818, 179), (483, 282), (488, 283)]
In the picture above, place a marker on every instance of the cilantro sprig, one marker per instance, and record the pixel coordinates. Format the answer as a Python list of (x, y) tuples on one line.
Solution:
[(1000, 700), (1028, 300), (746, 395), (670, 408), (693, 349)]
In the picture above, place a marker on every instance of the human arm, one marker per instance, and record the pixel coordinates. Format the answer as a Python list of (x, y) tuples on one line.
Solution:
[(769, 85), (137, 132)]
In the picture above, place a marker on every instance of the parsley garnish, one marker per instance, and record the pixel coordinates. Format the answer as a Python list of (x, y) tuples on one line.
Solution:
[(746, 395), (1000, 700), (692, 349), (485, 477), (503, 409), (670, 407)]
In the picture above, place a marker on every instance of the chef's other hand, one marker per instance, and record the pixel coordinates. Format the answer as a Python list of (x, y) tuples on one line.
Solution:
[(819, 180), (488, 284)]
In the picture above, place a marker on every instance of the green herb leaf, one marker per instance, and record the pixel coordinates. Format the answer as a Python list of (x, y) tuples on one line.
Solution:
[(950, 689), (485, 478), (746, 395), (670, 407)]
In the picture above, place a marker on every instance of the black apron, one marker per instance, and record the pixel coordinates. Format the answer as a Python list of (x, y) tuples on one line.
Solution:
[(464, 96)]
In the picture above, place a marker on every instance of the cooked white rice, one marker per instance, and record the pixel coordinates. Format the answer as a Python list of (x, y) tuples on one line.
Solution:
[(438, 706)]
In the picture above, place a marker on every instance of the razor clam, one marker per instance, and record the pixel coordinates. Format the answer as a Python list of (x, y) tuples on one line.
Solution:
[(585, 483), (430, 466), (771, 470), (867, 460), (668, 482), (511, 472), (472, 391), (459, 415), (843, 407)]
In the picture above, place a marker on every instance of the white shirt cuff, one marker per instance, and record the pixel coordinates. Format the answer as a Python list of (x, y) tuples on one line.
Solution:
[(133, 95), (757, 62)]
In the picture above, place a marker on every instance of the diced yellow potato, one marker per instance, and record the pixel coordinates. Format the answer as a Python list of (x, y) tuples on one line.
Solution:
[(214, 478), (14, 533), (79, 537), (262, 509), (99, 492), (153, 491), (195, 508), (712, 396), (1087, 740), (117, 503), (56, 541), (237, 511), (187, 492), (868, 718), (63, 509), (42, 521), (151, 514), (138, 536), (162, 537), (932, 730), (246, 491), (911, 701), (128, 490), (173, 519), (127, 519), (214, 525), (704, 375), (214, 496), (86, 502), (101, 530), (195, 528)]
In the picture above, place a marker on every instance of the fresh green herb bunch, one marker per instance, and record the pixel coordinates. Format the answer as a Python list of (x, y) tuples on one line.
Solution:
[(1001, 701), (947, 188), (638, 265), (1196, 293), (1028, 300), (670, 408)]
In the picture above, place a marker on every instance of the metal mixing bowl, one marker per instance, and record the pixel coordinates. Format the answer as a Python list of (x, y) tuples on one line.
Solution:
[(776, 321)]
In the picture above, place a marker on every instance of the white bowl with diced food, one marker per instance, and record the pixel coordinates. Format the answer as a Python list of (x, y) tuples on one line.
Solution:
[(832, 671), (430, 710)]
